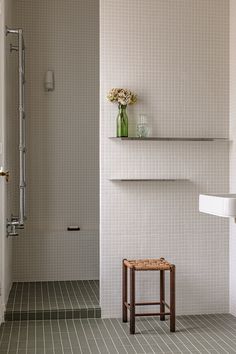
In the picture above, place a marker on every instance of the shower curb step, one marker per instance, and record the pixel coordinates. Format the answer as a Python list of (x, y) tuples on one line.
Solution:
[(53, 314), (53, 300)]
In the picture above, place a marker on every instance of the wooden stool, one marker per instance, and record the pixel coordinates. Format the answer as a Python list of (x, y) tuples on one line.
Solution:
[(144, 265)]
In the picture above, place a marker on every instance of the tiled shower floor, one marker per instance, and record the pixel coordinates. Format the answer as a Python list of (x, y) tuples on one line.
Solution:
[(53, 300), (210, 334)]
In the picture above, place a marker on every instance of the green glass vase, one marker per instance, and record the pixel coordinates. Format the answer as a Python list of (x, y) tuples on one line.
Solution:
[(122, 122)]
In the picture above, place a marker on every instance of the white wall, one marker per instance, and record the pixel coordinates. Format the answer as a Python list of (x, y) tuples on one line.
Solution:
[(62, 139), (2, 192), (232, 244), (175, 56), (9, 144)]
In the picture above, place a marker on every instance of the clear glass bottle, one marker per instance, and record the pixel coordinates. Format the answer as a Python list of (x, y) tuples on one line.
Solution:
[(142, 126)]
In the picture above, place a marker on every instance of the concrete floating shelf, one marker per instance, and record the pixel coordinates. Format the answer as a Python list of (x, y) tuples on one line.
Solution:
[(150, 138), (148, 179)]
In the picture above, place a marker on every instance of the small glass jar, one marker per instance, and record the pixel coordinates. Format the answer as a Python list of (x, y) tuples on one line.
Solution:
[(142, 126)]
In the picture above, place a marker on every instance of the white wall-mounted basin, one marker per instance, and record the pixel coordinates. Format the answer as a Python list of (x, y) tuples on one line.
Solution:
[(223, 205)]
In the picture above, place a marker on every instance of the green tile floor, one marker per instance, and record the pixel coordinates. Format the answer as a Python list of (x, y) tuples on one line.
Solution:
[(195, 334), (53, 300)]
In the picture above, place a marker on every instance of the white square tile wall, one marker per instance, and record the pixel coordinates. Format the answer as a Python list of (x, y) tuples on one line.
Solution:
[(232, 254), (62, 139), (175, 56)]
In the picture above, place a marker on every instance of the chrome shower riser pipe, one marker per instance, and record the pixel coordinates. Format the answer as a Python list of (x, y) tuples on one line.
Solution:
[(18, 222)]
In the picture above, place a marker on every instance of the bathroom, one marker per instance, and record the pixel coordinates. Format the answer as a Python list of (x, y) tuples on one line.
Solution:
[(90, 198)]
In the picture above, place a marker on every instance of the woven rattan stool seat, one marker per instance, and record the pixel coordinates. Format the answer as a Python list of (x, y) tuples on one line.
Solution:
[(131, 267), (148, 264)]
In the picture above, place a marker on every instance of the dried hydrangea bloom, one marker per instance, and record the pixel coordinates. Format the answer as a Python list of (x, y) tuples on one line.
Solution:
[(121, 96)]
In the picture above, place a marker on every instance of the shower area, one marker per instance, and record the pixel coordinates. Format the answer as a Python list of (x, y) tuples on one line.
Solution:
[(55, 258)]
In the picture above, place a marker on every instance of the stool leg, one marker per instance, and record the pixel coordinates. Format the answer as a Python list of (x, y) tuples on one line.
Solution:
[(132, 301), (162, 294), (124, 291), (172, 299)]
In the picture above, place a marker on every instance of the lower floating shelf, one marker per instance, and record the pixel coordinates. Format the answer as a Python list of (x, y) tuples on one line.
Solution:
[(148, 179), (156, 138)]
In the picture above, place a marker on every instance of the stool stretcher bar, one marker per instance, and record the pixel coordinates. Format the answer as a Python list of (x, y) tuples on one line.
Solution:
[(147, 303), (151, 314)]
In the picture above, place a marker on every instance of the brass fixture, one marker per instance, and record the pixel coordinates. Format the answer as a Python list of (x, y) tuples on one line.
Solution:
[(5, 174)]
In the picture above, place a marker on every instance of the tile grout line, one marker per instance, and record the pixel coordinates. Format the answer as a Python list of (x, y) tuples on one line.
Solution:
[(223, 315), (9, 343), (21, 299), (104, 324), (63, 287), (88, 287), (32, 294), (53, 345), (223, 326), (42, 298), (223, 334), (28, 301), (101, 335), (109, 335), (96, 285), (78, 288), (177, 321), (60, 336), (35, 301), (75, 293), (120, 337), (85, 336), (92, 304), (143, 336), (182, 326), (75, 296), (18, 337), (140, 343), (76, 333), (50, 307), (68, 332), (204, 339), (35, 333), (83, 298), (44, 344), (195, 334), (215, 341), (135, 337), (97, 299), (13, 307), (68, 293), (84, 287), (49, 299), (94, 336), (46, 292), (27, 336), (54, 290), (63, 300), (155, 340)]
